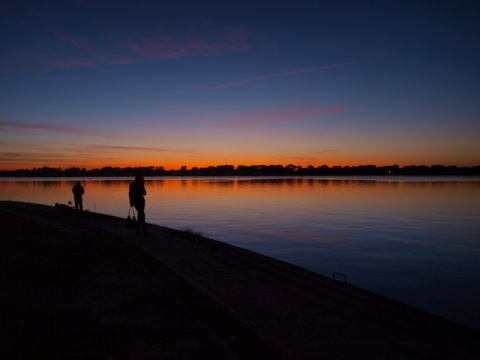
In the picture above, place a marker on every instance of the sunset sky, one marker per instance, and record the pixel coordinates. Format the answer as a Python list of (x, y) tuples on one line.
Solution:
[(91, 83)]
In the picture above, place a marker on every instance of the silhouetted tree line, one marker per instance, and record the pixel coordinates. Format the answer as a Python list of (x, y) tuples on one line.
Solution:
[(251, 170)]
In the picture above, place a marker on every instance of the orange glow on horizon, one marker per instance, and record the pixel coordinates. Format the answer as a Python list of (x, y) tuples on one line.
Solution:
[(177, 165)]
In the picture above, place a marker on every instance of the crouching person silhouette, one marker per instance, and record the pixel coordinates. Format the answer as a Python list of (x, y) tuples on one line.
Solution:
[(78, 192), (136, 193)]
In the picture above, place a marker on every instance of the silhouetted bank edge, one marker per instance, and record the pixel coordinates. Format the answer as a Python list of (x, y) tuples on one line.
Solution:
[(97, 229), (252, 170), (68, 294)]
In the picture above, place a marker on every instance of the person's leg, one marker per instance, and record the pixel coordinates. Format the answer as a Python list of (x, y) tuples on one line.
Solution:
[(140, 216), (141, 220)]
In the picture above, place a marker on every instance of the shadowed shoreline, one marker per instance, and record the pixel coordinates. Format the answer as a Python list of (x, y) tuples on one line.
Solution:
[(80, 285), (252, 170)]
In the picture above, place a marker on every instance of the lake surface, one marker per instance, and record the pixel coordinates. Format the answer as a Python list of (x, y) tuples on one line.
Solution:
[(416, 239)]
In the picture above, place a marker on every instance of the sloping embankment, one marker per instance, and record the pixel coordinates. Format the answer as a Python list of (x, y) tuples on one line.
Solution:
[(80, 285)]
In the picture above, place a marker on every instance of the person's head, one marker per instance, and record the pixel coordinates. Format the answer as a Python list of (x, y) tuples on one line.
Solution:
[(139, 177)]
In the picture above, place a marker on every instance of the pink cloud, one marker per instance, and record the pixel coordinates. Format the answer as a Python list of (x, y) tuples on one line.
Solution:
[(288, 73), (292, 114), (5, 125), (86, 53), (165, 46), (135, 148), (321, 152), (307, 159), (279, 134), (256, 118)]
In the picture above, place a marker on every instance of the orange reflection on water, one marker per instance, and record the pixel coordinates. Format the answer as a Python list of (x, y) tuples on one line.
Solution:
[(106, 195), (389, 235)]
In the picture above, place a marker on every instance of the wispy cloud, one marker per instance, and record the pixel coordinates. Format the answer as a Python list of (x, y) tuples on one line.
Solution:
[(9, 125), (34, 153), (265, 77), (262, 117), (307, 159), (321, 152), (255, 118), (165, 46), (92, 53), (72, 51), (200, 124), (117, 148)]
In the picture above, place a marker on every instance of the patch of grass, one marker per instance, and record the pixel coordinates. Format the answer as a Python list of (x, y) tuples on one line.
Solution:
[(190, 231)]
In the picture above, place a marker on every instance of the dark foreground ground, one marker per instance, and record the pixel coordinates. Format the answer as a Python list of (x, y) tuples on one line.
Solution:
[(81, 286)]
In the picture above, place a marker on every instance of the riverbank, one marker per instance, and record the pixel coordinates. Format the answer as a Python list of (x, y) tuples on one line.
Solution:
[(80, 285)]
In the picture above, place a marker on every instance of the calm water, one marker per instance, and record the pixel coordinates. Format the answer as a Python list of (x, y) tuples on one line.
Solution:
[(412, 239)]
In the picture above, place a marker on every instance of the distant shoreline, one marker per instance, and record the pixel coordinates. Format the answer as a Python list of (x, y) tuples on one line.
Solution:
[(253, 171)]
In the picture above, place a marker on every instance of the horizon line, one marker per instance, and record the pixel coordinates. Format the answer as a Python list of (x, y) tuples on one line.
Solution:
[(235, 167)]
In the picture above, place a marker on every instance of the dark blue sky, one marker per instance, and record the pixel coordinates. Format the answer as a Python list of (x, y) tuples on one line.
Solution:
[(196, 83)]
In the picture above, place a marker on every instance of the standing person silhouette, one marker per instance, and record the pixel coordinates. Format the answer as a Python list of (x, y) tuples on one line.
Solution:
[(136, 193), (78, 192)]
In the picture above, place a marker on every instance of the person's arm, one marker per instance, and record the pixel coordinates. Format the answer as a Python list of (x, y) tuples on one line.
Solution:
[(130, 195)]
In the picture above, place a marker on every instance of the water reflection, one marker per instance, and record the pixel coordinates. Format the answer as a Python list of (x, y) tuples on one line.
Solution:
[(413, 240)]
